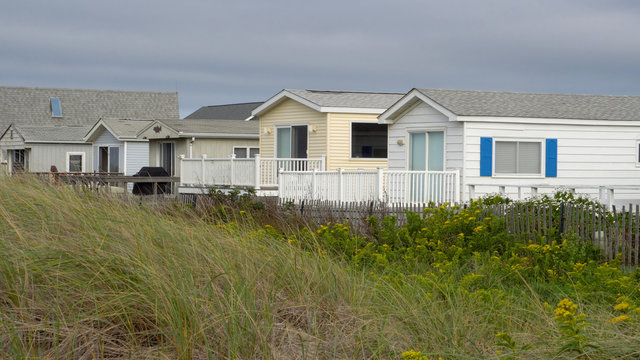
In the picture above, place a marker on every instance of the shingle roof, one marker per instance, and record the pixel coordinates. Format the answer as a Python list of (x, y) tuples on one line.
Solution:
[(200, 126), (349, 99), (126, 127), (534, 105), (225, 112), (53, 134), (31, 106)]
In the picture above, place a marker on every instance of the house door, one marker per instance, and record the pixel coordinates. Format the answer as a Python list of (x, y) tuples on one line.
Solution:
[(292, 142), (426, 152), (108, 159), (167, 156)]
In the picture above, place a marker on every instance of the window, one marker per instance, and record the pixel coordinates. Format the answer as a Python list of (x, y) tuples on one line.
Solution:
[(518, 157), (241, 152), (109, 159), (75, 162), (19, 160), (56, 107), (638, 152), (368, 140), (291, 141)]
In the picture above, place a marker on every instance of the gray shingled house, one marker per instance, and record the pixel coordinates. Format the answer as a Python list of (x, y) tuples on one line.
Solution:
[(45, 127)]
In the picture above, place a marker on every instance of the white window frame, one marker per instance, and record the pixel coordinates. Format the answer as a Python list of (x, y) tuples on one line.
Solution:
[(543, 156), (351, 142), (248, 148), (275, 136), (76, 153)]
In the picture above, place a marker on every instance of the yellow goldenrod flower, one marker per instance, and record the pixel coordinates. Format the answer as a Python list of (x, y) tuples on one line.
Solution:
[(620, 318)]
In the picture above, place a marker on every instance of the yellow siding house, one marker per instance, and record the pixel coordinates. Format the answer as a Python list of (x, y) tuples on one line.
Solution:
[(339, 125)]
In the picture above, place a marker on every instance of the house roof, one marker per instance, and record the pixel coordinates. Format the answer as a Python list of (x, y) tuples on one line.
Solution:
[(334, 101), (50, 134), (121, 129), (225, 112), (80, 107), (213, 128), (53, 133), (528, 105)]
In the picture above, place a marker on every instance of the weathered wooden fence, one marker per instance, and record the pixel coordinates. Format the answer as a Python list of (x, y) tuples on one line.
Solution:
[(616, 232)]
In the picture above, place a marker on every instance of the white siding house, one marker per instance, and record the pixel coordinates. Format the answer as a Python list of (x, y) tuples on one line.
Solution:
[(501, 141), (116, 146)]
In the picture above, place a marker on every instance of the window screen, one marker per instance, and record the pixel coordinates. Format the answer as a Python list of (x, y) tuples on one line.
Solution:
[(518, 157), (253, 152), (114, 159), (75, 163), (240, 152)]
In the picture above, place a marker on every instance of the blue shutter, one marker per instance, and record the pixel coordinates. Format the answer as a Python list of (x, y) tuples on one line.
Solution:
[(486, 154), (551, 163)]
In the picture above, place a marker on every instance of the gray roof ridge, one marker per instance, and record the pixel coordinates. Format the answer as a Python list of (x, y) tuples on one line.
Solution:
[(525, 93), (241, 103), (83, 89), (347, 91)]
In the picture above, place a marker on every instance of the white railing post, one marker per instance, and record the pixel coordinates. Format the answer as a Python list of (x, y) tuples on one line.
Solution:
[(380, 185), (280, 182), (458, 189), (313, 184), (472, 191), (323, 162), (502, 189), (231, 170), (611, 200), (257, 170), (519, 192), (204, 178), (340, 184), (181, 158), (534, 191)]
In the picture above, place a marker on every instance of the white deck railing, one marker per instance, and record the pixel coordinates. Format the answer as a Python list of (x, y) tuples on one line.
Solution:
[(395, 187), (256, 172)]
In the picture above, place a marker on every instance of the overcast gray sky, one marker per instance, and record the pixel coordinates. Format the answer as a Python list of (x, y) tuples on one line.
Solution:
[(216, 52)]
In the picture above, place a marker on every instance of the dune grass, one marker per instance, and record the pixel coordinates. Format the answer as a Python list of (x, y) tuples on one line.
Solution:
[(85, 276)]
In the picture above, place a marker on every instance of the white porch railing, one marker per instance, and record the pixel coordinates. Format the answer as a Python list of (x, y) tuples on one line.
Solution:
[(394, 187), (256, 172)]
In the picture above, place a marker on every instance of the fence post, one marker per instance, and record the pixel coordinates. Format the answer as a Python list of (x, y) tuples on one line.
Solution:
[(313, 184), (181, 158), (280, 183), (561, 225), (323, 162), (340, 184), (458, 188), (380, 187), (611, 200), (231, 169), (204, 178), (257, 170)]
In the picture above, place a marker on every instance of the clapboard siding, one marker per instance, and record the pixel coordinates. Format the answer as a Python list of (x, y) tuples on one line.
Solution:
[(137, 156), (290, 112), (588, 155), (43, 156), (423, 117), (339, 149)]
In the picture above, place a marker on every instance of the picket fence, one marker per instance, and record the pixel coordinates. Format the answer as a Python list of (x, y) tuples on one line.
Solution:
[(616, 232)]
